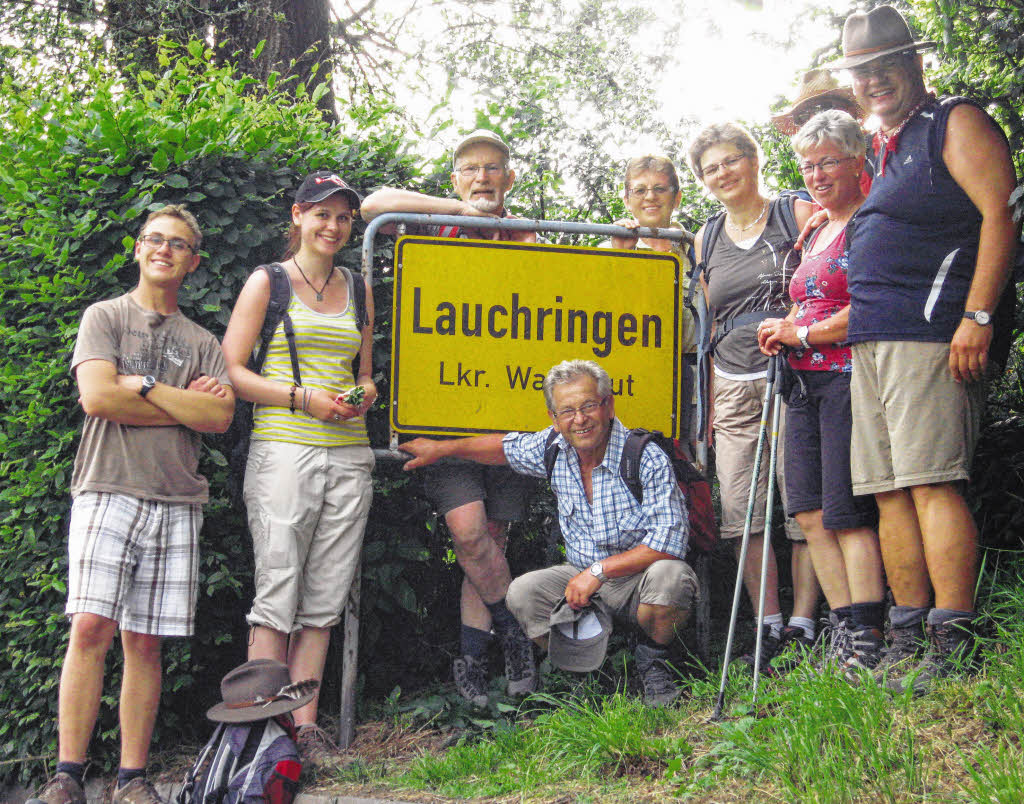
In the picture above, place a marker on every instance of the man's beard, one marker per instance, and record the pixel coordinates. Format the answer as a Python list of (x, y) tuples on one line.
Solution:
[(484, 204)]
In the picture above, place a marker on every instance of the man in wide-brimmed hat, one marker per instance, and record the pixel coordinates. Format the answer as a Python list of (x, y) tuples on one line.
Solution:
[(819, 91), (929, 259)]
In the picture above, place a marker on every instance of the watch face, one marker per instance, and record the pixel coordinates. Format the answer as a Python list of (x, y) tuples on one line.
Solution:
[(982, 318)]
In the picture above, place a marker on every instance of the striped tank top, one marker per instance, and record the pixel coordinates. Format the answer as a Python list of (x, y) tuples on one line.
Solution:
[(326, 343)]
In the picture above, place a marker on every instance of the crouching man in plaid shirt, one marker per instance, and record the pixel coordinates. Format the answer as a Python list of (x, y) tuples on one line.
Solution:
[(624, 558)]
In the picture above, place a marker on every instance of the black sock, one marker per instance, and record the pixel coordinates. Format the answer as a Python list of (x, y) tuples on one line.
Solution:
[(645, 639), (76, 770), (502, 617), (474, 642), (870, 614), (125, 775)]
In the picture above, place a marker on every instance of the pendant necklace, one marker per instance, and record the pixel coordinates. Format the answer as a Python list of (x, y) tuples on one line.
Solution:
[(319, 293), (752, 224)]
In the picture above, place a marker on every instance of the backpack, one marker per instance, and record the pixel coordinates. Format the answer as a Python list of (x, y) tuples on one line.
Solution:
[(277, 313), (245, 763), (696, 489)]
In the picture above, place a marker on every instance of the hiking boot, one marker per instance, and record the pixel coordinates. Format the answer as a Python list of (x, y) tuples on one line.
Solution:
[(949, 644), (906, 644), (61, 789), (795, 647), (656, 676), (138, 791), (520, 667), (866, 645), (471, 680), (316, 748), (838, 648), (769, 648)]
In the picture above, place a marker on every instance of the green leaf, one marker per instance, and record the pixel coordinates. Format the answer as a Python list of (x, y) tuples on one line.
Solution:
[(176, 180)]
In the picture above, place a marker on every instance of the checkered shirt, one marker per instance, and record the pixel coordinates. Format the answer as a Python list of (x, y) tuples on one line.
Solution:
[(615, 521)]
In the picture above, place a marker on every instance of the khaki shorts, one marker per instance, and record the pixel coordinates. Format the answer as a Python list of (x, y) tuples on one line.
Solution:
[(738, 405), (307, 510), (667, 582), (913, 424)]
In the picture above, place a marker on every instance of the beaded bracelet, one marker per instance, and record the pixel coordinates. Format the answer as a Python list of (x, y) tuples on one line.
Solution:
[(291, 398)]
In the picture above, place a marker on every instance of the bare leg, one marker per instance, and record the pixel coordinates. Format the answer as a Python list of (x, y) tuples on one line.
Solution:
[(479, 555), (140, 696), (805, 583), (950, 540), (307, 653), (863, 560), (474, 612), (829, 564), (752, 575), (661, 623), (81, 683), (266, 643), (899, 535)]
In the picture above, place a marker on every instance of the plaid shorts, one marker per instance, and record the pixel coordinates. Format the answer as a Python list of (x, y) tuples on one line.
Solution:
[(135, 561)]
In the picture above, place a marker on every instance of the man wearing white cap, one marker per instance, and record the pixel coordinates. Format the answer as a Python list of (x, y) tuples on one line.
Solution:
[(624, 556), (929, 258), (477, 502)]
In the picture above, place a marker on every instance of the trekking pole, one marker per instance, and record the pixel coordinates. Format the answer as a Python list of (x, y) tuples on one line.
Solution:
[(745, 542), (774, 384)]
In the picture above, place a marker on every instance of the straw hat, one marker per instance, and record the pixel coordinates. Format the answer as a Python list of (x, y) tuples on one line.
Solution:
[(877, 33), (818, 88), (259, 689)]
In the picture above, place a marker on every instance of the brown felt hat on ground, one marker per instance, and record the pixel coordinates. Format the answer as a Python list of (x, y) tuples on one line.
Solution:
[(259, 689), (877, 33), (819, 90)]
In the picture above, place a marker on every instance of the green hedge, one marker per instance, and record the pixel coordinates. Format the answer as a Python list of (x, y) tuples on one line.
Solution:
[(82, 161)]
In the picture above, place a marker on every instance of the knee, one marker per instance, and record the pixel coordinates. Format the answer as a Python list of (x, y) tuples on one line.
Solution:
[(471, 542), (92, 632), (141, 647)]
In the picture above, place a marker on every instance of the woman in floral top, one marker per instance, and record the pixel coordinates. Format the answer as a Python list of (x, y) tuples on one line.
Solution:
[(839, 526)]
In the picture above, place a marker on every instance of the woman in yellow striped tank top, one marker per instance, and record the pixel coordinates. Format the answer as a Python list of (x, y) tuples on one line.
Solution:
[(308, 481)]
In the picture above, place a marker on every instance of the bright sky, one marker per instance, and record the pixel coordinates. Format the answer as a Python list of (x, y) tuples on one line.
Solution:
[(728, 66)]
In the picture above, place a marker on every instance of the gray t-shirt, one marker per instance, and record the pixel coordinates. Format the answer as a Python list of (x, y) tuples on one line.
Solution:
[(151, 463), (742, 280)]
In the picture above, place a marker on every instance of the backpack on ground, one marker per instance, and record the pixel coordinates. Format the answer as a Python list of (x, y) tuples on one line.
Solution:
[(696, 489), (246, 763), (276, 314)]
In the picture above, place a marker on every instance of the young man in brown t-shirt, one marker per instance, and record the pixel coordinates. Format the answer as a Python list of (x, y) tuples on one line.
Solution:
[(149, 381)]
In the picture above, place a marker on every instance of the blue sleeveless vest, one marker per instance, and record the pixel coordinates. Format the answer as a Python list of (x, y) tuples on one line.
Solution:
[(914, 241)]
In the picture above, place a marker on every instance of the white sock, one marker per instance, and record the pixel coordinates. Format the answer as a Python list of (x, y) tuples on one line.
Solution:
[(805, 624), (774, 621)]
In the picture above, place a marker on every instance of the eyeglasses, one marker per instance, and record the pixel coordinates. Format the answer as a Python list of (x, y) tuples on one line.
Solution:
[(470, 171), (712, 170), (176, 243), (880, 67), (828, 165), (587, 409), (658, 190)]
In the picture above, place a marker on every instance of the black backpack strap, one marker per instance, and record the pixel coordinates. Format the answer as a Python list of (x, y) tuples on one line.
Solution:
[(277, 313), (712, 231), (629, 463), (753, 317), (787, 214), (551, 450)]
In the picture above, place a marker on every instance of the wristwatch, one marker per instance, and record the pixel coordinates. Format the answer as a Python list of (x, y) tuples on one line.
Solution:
[(598, 571), (979, 317), (147, 385), (802, 333)]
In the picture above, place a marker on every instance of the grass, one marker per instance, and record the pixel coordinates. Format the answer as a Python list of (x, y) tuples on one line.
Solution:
[(810, 738)]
